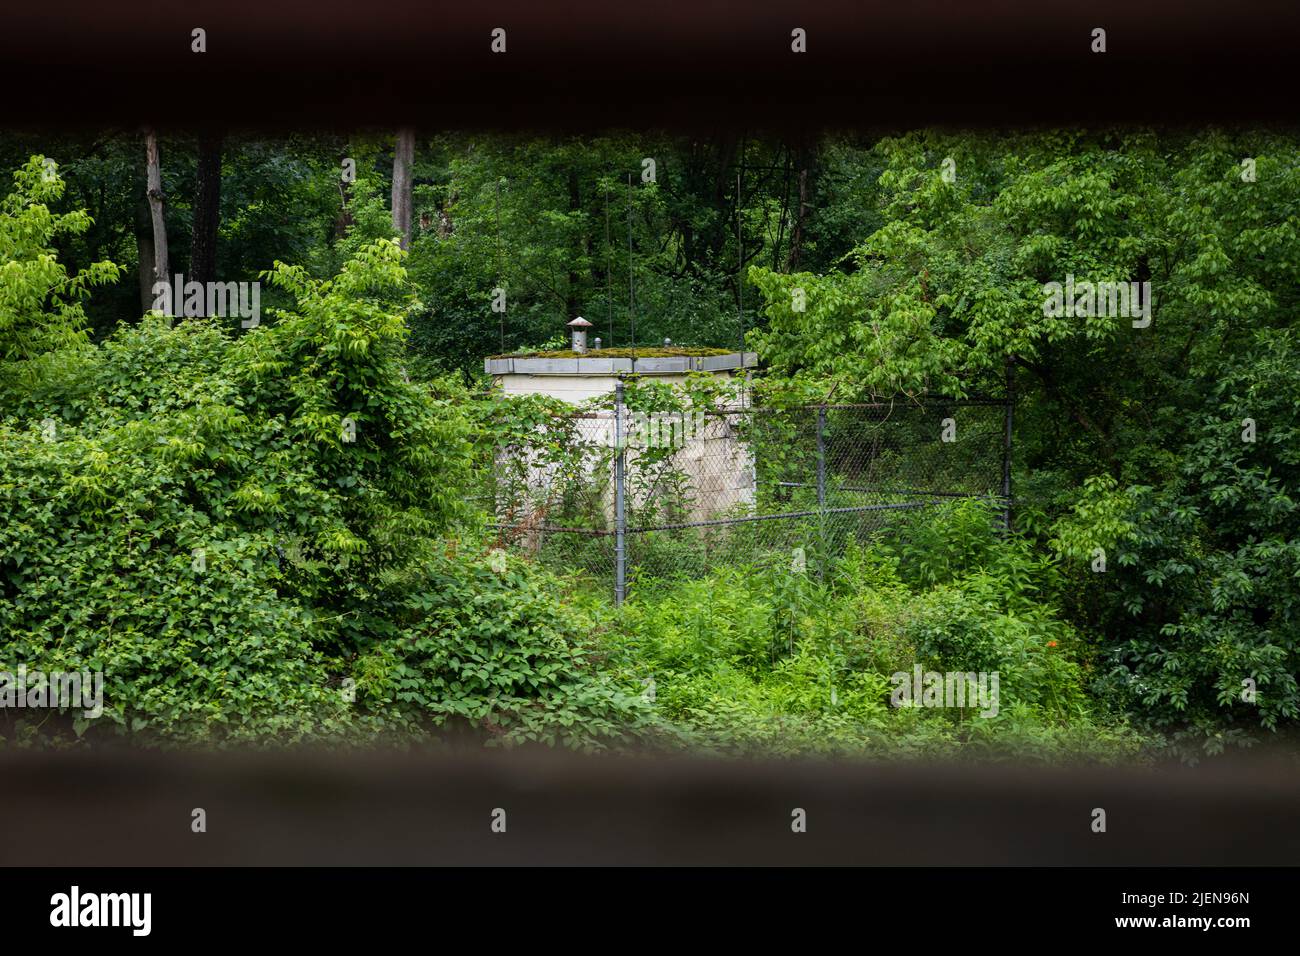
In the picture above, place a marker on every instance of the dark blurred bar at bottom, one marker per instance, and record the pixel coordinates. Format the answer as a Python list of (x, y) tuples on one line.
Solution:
[(314, 808)]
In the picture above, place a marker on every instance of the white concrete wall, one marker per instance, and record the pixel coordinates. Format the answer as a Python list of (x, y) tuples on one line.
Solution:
[(570, 388), (716, 462)]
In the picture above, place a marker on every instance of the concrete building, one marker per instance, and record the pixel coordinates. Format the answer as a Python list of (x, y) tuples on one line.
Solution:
[(711, 462)]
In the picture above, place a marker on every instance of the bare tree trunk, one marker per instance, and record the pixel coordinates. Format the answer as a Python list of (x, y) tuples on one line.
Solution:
[(161, 265), (800, 216), (207, 211), (403, 158), (784, 219)]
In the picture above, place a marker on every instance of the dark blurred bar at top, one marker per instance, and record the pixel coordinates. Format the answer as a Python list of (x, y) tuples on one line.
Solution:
[(589, 64)]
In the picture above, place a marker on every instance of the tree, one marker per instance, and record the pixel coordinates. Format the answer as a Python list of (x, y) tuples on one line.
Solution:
[(403, 159), (1142, 409), (144, 250), (40, 302), (161, 265), (207, 211)]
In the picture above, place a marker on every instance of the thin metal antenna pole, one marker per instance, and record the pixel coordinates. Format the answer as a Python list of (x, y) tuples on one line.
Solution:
[(631, 294), (609, 271), (740, 268), (499, 279)]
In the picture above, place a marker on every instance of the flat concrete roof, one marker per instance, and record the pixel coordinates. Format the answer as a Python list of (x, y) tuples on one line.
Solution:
[(594, 364)]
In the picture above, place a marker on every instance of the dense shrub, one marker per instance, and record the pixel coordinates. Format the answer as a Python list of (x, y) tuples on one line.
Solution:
[(239, 530), (1202, 586), (488, 643), (769, 661)]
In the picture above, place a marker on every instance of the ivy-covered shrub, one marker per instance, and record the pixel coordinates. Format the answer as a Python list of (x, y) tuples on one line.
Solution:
[(489, 643), (240, 528)]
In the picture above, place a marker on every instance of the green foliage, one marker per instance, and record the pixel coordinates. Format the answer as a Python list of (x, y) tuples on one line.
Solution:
[(1128, 438), (231, 527), (1206, 600), (877, 276), (1100, 520), (494, 648), (558, 226), (40, 301), (765, 661)]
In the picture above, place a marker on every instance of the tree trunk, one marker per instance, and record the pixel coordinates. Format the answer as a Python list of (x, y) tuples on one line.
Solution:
[(144, 251), (800, 215), (161, 265), (344, 220), (784, 219), (403, 158), (207, 211)]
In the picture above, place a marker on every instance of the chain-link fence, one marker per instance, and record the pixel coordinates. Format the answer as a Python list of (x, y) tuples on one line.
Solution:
[(623, 495)]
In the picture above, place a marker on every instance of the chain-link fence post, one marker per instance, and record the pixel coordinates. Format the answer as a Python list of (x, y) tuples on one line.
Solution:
[(620, 514), (821, 456), (821, 492)]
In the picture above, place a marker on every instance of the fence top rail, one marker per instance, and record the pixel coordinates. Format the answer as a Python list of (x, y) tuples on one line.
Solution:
[(927, 403), (926, 399), (777, 409)]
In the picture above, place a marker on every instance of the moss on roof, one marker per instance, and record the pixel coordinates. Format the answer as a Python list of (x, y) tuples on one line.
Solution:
[(673, 351)]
